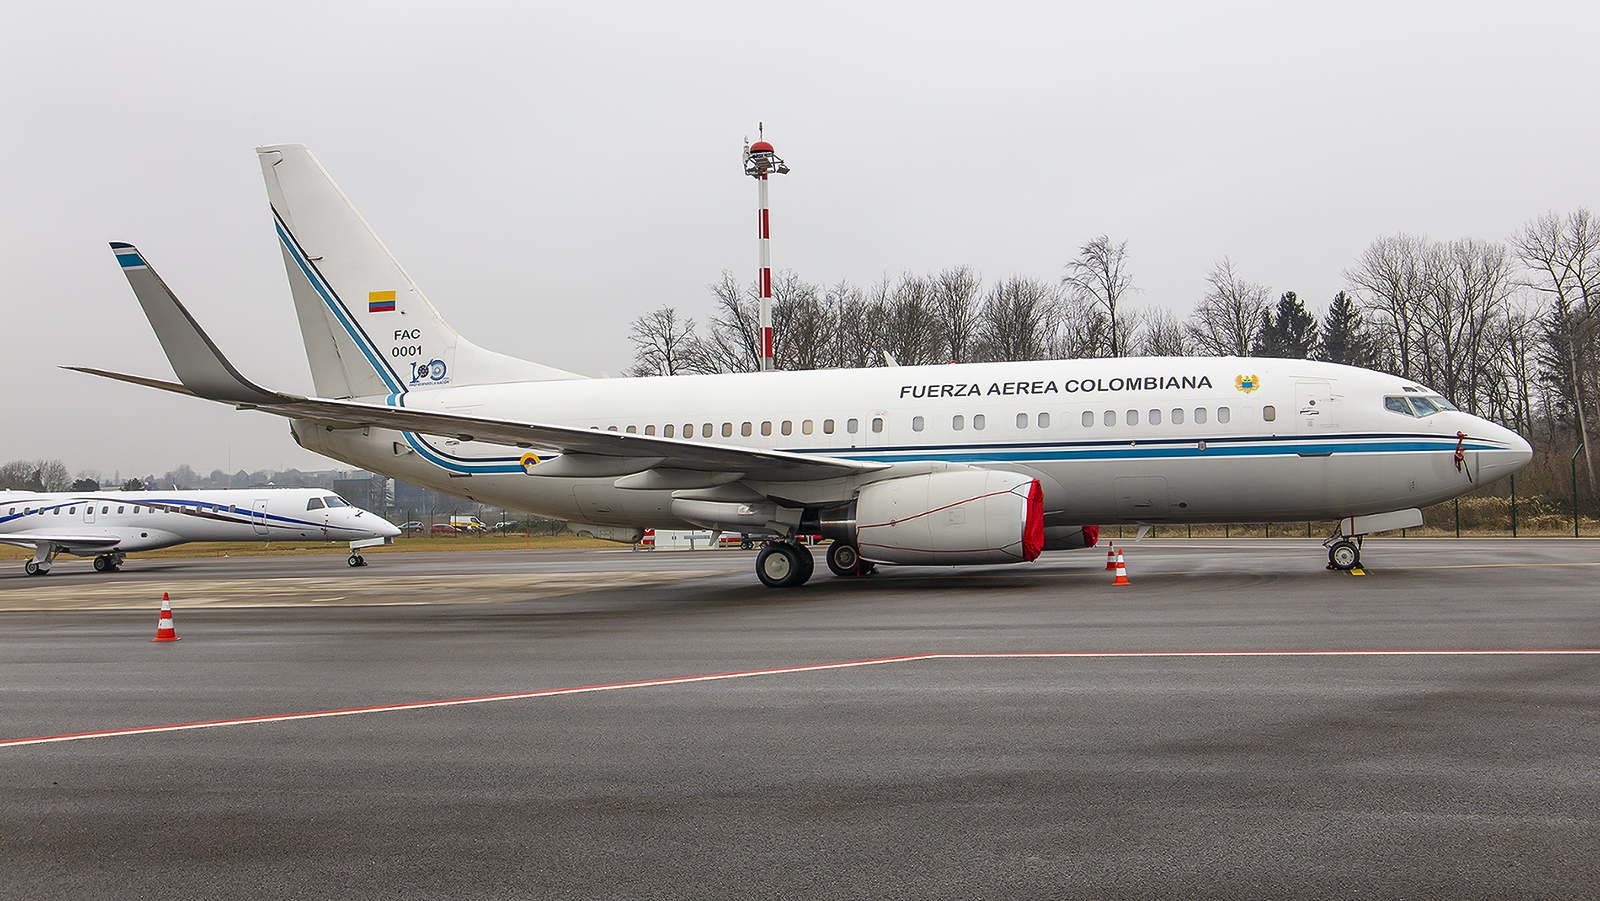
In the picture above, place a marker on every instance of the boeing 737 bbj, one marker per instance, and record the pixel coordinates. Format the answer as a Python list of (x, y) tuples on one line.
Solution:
[(110, 525), (955, 464)]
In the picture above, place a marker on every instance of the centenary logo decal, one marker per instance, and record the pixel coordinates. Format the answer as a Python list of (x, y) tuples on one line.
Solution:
[(429, 373), (529, 461), (1247, 383)]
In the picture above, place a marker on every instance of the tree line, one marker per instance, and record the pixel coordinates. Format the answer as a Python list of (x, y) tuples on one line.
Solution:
[(1506, 330)]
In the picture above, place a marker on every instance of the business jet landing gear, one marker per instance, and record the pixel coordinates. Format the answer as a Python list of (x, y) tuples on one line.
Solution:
[(108, 563), (845, 560), (44, 556), (357, 560), (1345, 554), (782, 564)]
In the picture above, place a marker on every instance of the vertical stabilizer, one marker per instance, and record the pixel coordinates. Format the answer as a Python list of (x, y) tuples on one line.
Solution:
[(368, 329)]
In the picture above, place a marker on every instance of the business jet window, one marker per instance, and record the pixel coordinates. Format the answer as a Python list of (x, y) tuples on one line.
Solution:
[(105, 509), (1022, 420), (666, 431), (1441, 403), (1177, 416), (851, 426), (1424, 406), (649, 430), (1111, 417), (314, 504), (1269, 413), (787, 428), (632, 430), (688, 430), (611, 428), (916, 423), (727, 430), (827, 427), (1133, 417), (1088, 419), (1398, 405), (337, 501), (766, 428), (746, 429), (72, 510), (958, 423), (1155, 417), (1224, 414), (56, 512), (1200, 415), (978, 421), (877, 424), (1044, 420), (805, 427)]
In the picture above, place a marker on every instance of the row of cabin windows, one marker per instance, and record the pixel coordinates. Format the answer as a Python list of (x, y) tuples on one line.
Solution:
[(747, 429), (1109, 417), (957, 423), (72, 511)]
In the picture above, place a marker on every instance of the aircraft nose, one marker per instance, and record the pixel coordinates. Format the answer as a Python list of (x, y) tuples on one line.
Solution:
[(1513, 454)]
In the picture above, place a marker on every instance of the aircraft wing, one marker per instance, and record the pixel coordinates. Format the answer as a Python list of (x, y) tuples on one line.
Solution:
[(67, 542), (206, 373)]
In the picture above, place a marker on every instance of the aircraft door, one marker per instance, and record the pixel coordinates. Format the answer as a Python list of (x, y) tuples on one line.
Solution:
[(258, 515), (1316, 409)]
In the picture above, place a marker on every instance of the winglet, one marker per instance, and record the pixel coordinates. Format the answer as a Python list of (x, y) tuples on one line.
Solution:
[(198, 363)]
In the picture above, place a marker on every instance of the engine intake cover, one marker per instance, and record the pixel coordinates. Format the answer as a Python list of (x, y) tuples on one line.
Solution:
[(951, 518)]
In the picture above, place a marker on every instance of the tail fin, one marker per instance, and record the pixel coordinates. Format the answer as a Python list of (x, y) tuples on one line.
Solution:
[(368, 329)]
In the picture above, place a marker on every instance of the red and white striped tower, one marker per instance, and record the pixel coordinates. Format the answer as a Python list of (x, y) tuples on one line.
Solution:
[(759, 162)]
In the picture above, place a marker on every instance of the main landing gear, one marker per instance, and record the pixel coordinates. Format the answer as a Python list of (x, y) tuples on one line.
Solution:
[(108, 563), (845, 560), (784, 564)]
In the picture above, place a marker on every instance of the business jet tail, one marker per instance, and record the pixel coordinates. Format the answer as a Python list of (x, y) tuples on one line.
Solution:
[(368, 329)]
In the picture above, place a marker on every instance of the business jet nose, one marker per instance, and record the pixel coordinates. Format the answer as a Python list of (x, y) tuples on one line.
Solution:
[(1512, 454), (382, 527)]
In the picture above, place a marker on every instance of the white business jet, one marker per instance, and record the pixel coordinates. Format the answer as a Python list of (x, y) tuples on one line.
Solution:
[(940, 465), (109, 525)]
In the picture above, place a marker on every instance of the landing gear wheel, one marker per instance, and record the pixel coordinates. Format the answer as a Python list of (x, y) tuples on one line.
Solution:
[(32, 568), (357, 560), (808, 563), (779, 565), (845, 560), (1344, 555), (104, 563)]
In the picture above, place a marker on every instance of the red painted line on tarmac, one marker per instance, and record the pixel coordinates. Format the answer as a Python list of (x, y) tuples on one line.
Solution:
[(809, 668)]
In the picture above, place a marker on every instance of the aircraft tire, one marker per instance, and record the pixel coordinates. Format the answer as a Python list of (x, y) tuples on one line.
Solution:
[(845, 561), (355, 560), (1344, 555), (31, 568), (808, 564), (103, 564), (779, 566)]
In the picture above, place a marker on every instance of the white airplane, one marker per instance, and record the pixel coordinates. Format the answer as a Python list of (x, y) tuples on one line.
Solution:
[(935, 465), (109, 525)]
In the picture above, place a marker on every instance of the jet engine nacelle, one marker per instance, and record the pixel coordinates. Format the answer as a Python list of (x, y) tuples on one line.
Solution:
[(948, 518)]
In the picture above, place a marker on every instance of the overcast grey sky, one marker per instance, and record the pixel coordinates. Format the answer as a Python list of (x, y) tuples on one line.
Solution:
[(549, 171)]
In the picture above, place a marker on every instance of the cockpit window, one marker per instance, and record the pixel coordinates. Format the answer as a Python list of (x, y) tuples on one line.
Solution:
[(1398, 405), (314, 504), (1441, 403), (1424, 406), (336, 501)]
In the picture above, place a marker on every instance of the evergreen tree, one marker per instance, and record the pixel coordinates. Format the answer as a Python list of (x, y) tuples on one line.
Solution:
[(1344, 335), (1291, 334)]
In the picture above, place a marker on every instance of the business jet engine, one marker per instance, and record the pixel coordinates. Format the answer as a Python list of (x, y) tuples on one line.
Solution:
[(943, 519)]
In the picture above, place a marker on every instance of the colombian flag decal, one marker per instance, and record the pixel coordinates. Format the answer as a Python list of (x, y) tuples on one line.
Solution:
[(380, 302)]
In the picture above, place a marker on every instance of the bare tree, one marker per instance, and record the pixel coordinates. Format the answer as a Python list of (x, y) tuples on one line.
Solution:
[(955, 302), (909, 321), (1018, 321), (1563, 255), (663, 343), (804, 324), (1164, 335), (18, 474), (51, 475), (1099, 275), (1227, 321), (1391, 280), (734, 341)]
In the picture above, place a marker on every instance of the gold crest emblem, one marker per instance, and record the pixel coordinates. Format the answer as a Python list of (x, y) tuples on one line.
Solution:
[(1247, 383)]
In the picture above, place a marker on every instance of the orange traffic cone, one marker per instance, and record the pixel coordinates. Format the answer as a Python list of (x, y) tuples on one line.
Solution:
[(1122, 572), (164, 630), (1111, 556)]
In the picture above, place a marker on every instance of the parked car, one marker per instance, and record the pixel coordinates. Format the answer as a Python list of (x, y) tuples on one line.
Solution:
[(412, 526), (444, 529), (507, 525)]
